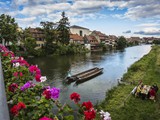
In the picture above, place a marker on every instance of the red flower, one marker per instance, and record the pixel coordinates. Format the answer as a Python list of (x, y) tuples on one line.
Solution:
[(88, 105), (12, 87), (47, 94), (75, 97), (37, 77), (21, 105), (14, 110), (90, 114)]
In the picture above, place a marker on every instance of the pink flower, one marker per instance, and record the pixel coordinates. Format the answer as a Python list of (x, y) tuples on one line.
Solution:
[(15, 74), (21, 74), (38, 71), (45, 118), (33, 68)]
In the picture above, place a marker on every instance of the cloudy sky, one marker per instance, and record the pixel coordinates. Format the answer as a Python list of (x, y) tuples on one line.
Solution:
[(112, 17)]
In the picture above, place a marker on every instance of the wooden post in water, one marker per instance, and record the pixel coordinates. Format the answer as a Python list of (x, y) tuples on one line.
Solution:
[(4, 113)]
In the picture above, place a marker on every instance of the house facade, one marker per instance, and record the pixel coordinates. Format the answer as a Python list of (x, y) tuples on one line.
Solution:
[(81, 31), (76, 39), (38, 35)]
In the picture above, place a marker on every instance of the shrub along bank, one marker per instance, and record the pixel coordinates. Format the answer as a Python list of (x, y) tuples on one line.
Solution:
[(124, 106)]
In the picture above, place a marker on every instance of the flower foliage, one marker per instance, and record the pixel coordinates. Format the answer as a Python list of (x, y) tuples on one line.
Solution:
[(29, 99)]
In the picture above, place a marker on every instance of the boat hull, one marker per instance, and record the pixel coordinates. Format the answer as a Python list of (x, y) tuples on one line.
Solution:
[(84, 76)]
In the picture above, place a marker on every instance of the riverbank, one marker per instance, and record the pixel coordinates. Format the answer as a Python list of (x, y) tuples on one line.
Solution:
[(123, 106)]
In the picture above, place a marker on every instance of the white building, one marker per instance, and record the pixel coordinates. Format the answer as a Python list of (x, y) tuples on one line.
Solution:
[(79, 30)]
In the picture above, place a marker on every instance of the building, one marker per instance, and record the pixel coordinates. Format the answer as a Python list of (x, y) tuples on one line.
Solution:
[(90, 39), (77, 39), (134, 40), (38, 35), (81, 31), (101, 37)]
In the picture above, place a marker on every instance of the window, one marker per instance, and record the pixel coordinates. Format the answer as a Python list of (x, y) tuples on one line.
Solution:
[(81, 33)]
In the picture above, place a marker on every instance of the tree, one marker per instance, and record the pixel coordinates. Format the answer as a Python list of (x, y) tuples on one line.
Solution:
[(30, 44), (8, 29), (121, 43), (63, 29), (49, 29)]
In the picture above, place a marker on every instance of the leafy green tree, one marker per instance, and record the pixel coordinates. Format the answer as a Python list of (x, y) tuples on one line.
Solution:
[(63, 29), (121, 43), (8, 29), (30, 44), (49, 29)]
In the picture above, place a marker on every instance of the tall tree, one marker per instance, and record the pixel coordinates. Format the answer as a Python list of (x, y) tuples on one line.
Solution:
[(121, 43), (63, 29), (8, 29), (49, 29)]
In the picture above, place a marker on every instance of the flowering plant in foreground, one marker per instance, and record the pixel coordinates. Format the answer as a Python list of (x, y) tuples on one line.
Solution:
[(29, 99)]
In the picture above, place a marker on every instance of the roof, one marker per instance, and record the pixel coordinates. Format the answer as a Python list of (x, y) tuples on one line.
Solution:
[(91, 37), (98, 33), (78, 27), (76, 37)]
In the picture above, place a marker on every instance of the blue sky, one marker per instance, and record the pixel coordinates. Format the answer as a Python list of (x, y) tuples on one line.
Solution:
[(112, 17)]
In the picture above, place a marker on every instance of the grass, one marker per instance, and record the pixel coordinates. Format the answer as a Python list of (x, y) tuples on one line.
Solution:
[(124, 106)]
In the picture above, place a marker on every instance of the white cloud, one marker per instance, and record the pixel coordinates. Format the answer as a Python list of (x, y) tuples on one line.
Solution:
[(149, 31), (44, 9), (30, 19), (148, 25)]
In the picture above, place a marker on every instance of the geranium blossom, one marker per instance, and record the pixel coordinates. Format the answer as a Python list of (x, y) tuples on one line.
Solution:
[(38, 71), (16, 64), (19, 60), (75, 97), (33, 68), (90, 114), (15, 74), (105, 115), (88, 105), (51, 93), (45, 118), (20, 74), (21, 105), (16, 108), (55, 93), (12, 87), (43, 78), (37, 77), (26, 85)]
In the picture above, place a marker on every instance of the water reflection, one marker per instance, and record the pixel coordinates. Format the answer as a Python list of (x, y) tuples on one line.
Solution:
[(115, 64)]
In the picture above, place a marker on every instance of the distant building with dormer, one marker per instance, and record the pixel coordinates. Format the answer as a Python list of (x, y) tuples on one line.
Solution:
[(81, 31)]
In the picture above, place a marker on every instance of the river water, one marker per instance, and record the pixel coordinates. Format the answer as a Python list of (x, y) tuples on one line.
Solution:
[(115, 64)]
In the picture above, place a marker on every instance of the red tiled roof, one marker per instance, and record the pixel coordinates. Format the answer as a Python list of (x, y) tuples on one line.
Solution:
[(92, 39), (76, 37)]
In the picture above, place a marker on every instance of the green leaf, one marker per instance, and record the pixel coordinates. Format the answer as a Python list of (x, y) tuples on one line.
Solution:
[(69, 117)]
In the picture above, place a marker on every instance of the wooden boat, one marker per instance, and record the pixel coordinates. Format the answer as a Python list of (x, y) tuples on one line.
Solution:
[(83, 76)]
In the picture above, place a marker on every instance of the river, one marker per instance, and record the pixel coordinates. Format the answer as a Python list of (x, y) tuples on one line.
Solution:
[(115, 64)]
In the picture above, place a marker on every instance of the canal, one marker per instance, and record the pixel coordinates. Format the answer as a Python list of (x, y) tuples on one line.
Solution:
[(115, 64)]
